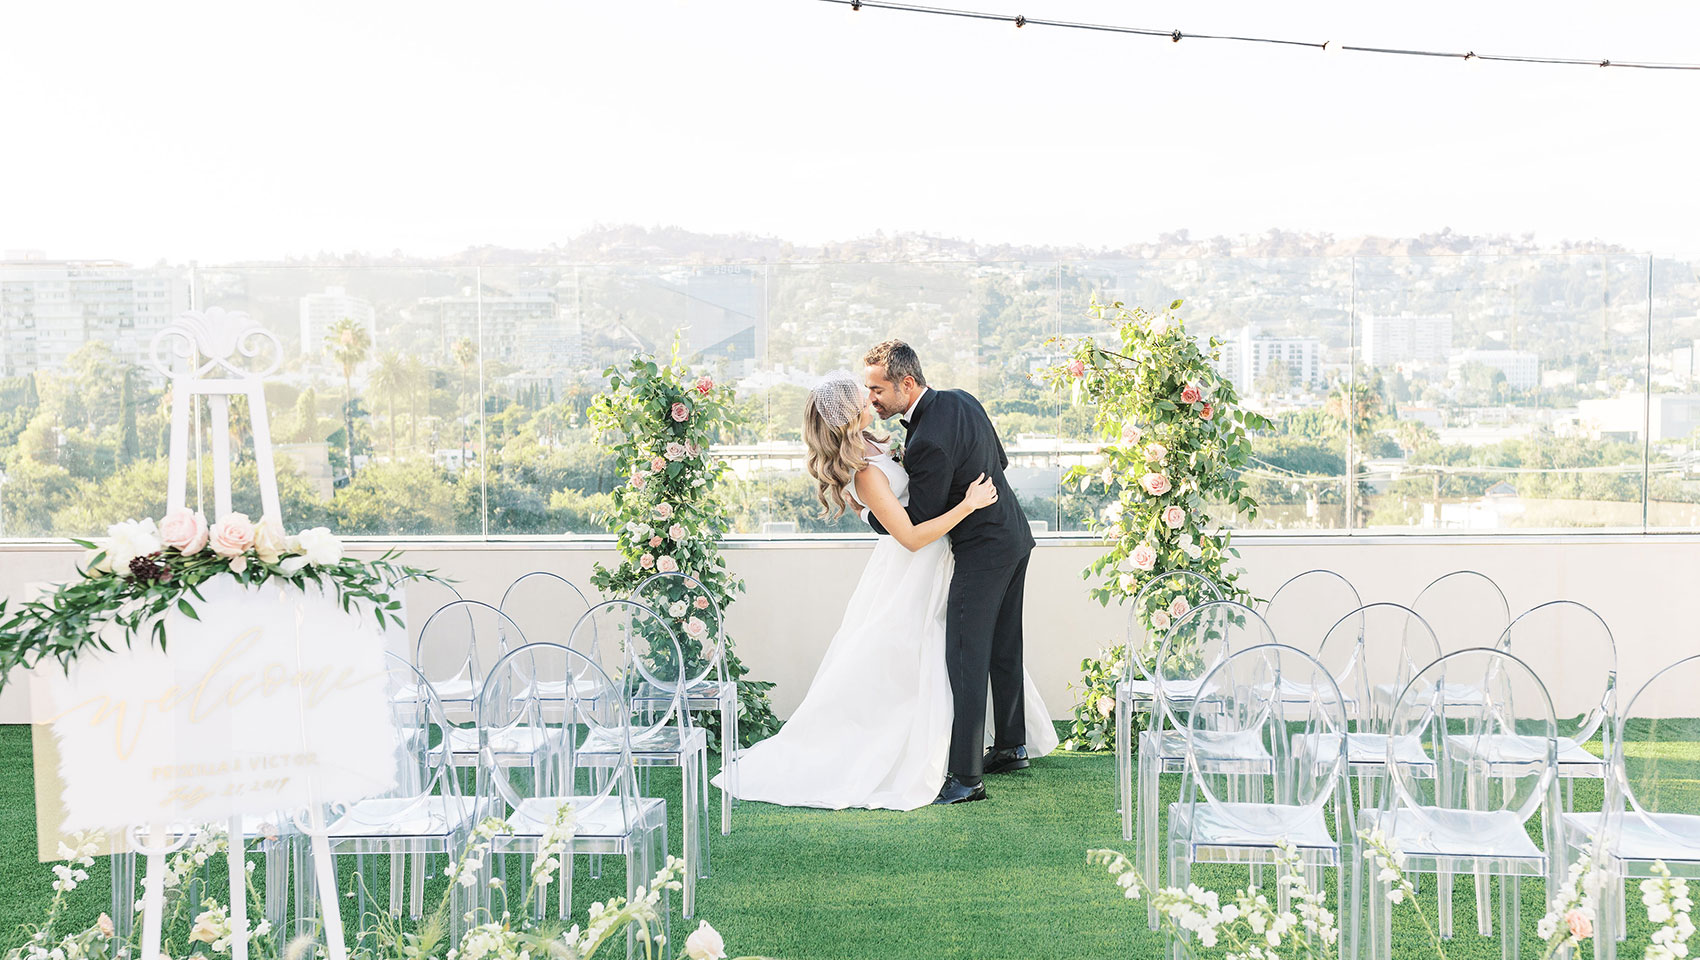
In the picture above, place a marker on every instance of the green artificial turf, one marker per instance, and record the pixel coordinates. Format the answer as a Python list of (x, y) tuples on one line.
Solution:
[(1006, 878)]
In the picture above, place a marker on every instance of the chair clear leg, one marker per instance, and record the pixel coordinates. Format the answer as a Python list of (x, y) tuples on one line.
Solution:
[(1510, 908), (1124, 768), (123, 892)]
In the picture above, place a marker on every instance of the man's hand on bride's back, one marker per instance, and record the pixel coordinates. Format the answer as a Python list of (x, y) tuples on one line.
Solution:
[(981, 493)]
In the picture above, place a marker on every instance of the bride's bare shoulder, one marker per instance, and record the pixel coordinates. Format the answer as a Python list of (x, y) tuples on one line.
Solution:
[(872, 476)]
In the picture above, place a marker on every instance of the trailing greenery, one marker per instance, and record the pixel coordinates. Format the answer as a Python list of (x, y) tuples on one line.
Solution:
[(670, 513), (72, 617)]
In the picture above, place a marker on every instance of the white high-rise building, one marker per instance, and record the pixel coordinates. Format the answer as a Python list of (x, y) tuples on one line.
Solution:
[(1522, 368), (1247, 356), (526, 328), (51, 308), (1407, 338), (321, 311)]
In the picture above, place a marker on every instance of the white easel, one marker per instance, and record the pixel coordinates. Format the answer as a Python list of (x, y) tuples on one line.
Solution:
[(206, 351)]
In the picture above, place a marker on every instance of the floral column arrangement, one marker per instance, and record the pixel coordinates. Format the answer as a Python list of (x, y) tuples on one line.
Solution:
[(668, 515), (1174, 440)]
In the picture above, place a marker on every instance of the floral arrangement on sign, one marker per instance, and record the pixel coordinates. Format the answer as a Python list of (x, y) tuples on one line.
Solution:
[(668, 515), (1175, 441), (144, 570), (193, 913)]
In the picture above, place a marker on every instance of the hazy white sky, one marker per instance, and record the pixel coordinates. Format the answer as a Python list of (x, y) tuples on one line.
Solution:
[(219, 131)]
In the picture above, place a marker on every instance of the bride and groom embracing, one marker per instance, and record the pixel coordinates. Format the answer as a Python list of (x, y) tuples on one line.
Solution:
[(899, 702)]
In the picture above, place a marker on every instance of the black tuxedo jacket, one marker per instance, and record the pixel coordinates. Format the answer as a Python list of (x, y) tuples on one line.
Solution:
[(951, 442)]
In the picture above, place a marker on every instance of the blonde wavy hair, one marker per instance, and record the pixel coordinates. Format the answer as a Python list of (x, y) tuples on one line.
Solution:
[(835, 438)]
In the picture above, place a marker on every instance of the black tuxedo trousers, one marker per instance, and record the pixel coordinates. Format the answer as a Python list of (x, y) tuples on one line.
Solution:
[(983, 637)]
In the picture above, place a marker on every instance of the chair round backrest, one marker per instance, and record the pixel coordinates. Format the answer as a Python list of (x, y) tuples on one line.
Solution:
[(637, 648), (1304, 608), (457, 643), (1377, 647), (1656, 766), (513, 709), (1164, 599), (1273, 705), (423, 596), (1196, 643), (1495, 747), (544, 604), (1465, 608), (694, 616), (1578, 660)]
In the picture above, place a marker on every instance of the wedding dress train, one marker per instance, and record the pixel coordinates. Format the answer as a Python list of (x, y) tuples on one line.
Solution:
[(874, 729)]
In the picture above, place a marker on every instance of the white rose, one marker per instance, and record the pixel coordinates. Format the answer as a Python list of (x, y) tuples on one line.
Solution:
[(678, 609), (319, 546), (269, 541), (129, 540), (705, 943), (1190, 548)]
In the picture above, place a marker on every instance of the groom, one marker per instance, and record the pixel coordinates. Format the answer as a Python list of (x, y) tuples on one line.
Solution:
[(950, 443)]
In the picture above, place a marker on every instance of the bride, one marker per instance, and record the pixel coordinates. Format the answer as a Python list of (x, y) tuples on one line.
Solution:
[(874, 729)]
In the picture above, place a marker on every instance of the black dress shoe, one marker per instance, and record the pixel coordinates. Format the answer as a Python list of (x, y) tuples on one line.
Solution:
[(955, 791), (1005, 760)]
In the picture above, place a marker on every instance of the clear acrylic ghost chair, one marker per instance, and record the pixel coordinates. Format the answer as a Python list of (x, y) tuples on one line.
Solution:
[(1195, 643), (455, 643), (640, 652), (545, 605), (1254, 695), (1162, 600), (1376, 645), (1466, 609), (423, 814), (1302, 610), (1578, 660), (609, 817), (1652, 800), (484, 632), (710, 687), (1467, 815), (423, 596)]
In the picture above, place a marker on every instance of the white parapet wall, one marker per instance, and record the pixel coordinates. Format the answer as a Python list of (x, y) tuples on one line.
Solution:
[(1646, 587)]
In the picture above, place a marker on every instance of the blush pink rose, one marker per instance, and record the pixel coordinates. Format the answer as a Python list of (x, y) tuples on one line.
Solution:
[(696, 628), (1159, 620), (701, 603), (647, 562), (704, 385), (1143, 557), (1155, 484), (1580, 926), (676, 531), (1191, 394), (680, 413), (1178, 607), (1155, 452), (655, 541), (691, 448), (1131, 433), (657, 464), (640, 480), (232, 536), (1077, 369), (184, 529), (1206, 412), (1174, 517), (664, 511), (667, 565)]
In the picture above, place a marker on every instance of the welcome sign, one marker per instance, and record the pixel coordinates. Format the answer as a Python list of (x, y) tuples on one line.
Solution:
[(273, 701)]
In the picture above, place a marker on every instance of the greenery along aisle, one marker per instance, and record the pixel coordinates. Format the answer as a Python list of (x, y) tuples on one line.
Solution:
[(1175, 443), (669, 514)]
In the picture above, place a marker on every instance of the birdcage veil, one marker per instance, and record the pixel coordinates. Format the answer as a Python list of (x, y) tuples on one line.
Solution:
[(838, 398)]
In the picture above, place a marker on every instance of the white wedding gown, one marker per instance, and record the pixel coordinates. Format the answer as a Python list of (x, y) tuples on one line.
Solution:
[(874, 729)]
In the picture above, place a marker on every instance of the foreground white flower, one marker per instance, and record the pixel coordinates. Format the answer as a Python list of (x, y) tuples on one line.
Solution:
[(319, 546), (705, 943), (129, 540), (1669, 905)]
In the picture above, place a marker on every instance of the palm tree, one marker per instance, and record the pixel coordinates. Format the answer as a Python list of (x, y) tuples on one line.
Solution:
[(389, 379), (349, 342), (418, 380)]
